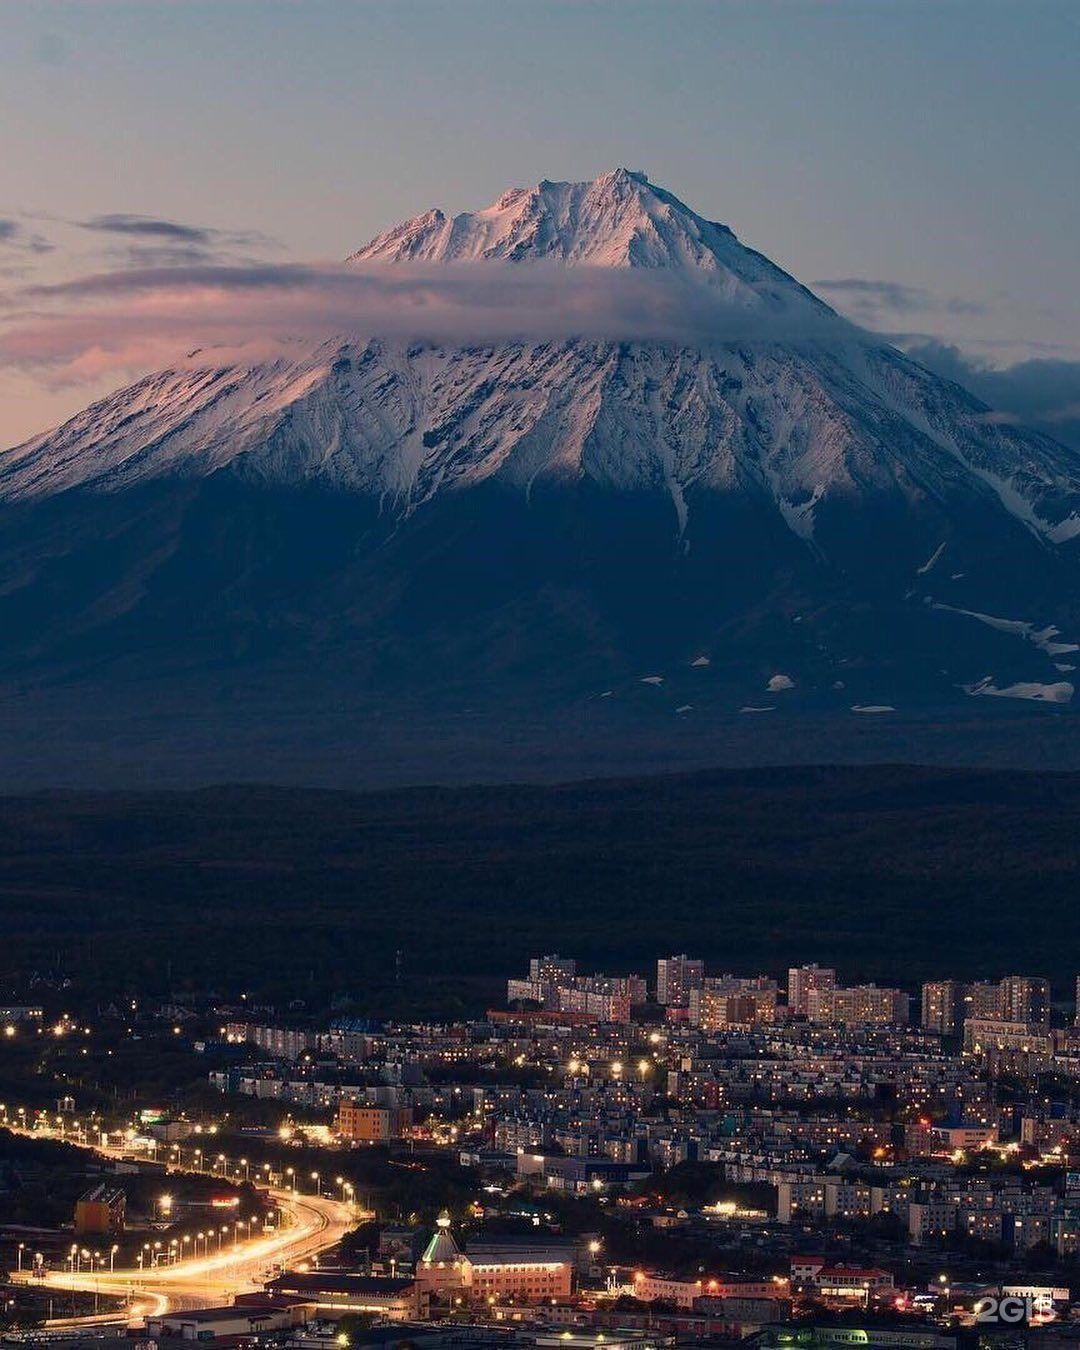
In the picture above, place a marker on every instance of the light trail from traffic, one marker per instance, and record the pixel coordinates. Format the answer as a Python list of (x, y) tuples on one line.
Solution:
[(310, 1224)]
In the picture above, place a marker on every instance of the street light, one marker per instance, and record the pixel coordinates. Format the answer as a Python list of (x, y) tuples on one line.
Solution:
[(318, 1183)]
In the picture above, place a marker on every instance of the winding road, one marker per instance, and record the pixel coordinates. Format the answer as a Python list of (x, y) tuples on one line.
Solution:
[(309, 1225)]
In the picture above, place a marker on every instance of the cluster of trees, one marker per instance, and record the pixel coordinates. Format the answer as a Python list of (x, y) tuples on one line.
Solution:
[(313, 895)]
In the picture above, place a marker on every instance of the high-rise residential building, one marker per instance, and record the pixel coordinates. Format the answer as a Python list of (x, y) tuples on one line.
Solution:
[(606, 1004), (863, 1004), (713, 1009), (804, 980), (942, 1006), (1078, 1000), (675, 977), (1025, 998), (981, 1000), (729, 1000), (552, 969), (555, 986)]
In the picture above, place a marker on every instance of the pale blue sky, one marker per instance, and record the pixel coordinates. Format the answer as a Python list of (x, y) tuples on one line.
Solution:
[(934, 145)]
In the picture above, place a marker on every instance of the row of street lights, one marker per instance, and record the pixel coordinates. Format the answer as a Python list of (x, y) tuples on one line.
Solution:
[(154, 1254), (220, 1166), (214, 1165), (95, 1259)]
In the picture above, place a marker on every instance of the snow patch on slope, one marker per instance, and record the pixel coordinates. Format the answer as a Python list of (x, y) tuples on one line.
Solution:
[(922, 571), (1043, 638), (1059, 692)]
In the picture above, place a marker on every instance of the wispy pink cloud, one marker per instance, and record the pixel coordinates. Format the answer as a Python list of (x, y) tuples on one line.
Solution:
[(135, 319)]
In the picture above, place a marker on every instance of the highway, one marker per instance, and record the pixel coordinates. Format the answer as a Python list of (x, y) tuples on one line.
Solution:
[(309, 1225)]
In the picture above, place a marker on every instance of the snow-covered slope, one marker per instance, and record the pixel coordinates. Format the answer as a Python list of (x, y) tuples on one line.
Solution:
[(796, 423), (671, 492), (796, 426)]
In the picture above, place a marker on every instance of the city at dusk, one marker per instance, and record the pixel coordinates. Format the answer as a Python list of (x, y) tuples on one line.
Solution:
[(539, 633)]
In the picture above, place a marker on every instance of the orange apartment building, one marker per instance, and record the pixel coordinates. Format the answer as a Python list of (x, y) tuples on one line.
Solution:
[(364, 1124), (101, 1210)]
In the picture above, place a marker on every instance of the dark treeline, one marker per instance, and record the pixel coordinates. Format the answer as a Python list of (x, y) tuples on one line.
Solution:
[(428, 898)]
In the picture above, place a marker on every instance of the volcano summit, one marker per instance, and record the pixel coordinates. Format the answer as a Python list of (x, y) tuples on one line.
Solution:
[(586, 459)]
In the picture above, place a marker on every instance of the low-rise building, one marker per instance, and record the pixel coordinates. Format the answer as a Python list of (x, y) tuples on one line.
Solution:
[(493, 1273), (336, 1292), (250, 1316)]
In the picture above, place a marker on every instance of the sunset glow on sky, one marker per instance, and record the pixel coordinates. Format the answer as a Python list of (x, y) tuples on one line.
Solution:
[(922, 158)]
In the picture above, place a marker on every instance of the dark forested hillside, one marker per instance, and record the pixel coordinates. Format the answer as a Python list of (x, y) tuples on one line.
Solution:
[(889, 872)]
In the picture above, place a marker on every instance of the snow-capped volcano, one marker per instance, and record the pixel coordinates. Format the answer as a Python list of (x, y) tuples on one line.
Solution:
[(797, 422), (559, 514), (618, 220)]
